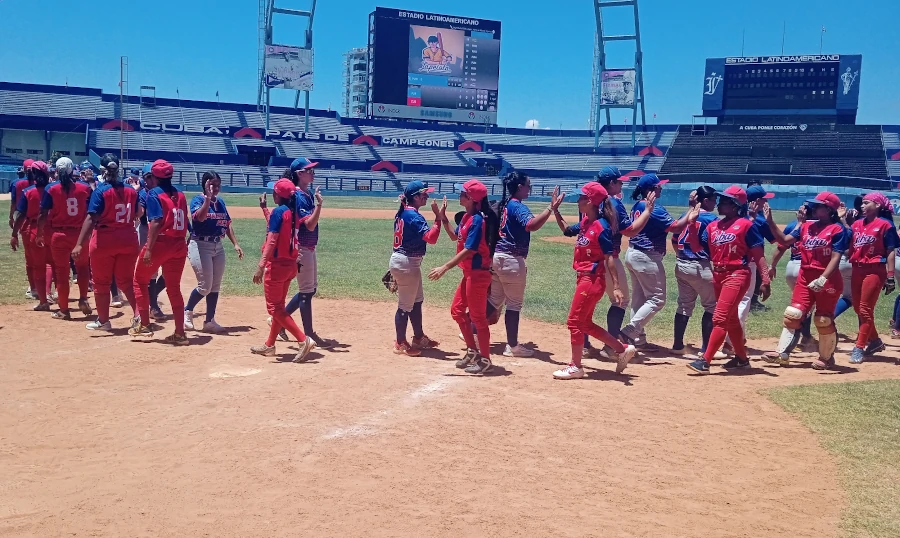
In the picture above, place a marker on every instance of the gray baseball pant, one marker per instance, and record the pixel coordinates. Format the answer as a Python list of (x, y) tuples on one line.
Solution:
[(695, 279), (648, 281)]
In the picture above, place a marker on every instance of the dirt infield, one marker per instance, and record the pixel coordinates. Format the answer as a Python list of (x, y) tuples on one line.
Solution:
[(103, 436)]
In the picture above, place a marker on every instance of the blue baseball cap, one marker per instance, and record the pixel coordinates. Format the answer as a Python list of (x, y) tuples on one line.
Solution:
[(146, 169), (756, 192), (302, 163), (609, 172), (135, 172), (416, 187), (650, 181)]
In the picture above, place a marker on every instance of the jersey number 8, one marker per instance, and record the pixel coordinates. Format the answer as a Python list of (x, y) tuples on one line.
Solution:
[(398, 233), (72, 207)]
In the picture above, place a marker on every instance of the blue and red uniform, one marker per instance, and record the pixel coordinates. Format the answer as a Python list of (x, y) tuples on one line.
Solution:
[(732, 244), (653, 237), (795, 249), (690, 247), (816, 241), (66, 211), (281, 268), (114, 243), (472, 293), (594, 243), (515, 239), (38, 260), (869, 246), (169, 252), (412, 233)]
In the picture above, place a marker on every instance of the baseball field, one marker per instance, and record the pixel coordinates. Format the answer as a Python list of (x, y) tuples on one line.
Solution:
[(103, 436)]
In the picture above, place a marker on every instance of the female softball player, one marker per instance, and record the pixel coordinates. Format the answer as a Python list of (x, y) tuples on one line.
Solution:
[(693, 271), (64, 205), (872, 246), (15, 191), (509, 267), (411, 236), (593, 259), (733, 243), (644, 259), (821, 243), (37, 257), (112, 211), (211, 223), (166, 248), (157, 281), (475, 238), (278, 267)]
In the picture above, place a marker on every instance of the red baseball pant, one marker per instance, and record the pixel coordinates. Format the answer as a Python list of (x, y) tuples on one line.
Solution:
[(61, 244), (589, 289), (730, 287), (825, 301), (469, 308), (113, 252), (866, 284), (169, 253), (39, 264), (276, 284)]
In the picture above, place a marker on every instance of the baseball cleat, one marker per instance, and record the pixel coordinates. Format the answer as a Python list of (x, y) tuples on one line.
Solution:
[(629, 335), (403, 348), (875, 346), (737, 364), (467, 359), (177, 340), (305, 347), (30, 294), (97, 326), (857, 355), (322, 343), (42, 307), (518, 351), (820, 364), (481, 365), (212, 327), (423, 342), (569, 372), (157, 314), (264, 350), (85, 307), (284, 335), (141, 331), (189, 320), (59, 314), (699, 366), (680, 351), (623, 358), (117, 302)]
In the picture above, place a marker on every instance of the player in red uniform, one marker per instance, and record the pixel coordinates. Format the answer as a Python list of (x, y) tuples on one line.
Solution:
[(64, 205), (475, 239), (821, 243), (112, 212), (733, 243), (37, 258), (278, 267), (594, 251), (872, 247), (166, 247)]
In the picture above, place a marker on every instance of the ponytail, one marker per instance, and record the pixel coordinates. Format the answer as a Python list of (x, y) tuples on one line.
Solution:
[(887, 213), (292, 204), (511, 184), (492, 224), (66, 180), (742, 210), (402, 207), (637, 194), (608, 212)]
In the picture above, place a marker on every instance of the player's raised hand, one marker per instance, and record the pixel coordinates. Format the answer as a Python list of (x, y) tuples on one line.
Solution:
[(435, 209), (443, 215), (262, 201), (801, 214), (318, 196), (767, 211), (208, 191), (556, 199), (650, 201), (842, 211), (694, 213)]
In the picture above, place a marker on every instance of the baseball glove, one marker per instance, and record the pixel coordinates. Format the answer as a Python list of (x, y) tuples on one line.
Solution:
[(389, 282)]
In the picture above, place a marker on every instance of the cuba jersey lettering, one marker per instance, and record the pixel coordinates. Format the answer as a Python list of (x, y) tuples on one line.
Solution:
[(113, 207), (795, 249), (653, 237), (471, 234), (306, 204), (282, 222), (217, 218), (817, 241), (871, 243), (624, 223), (514, 238), (412, 233), (170, 209), (593, 243), (729, 241), (689, 245), (66, 209)]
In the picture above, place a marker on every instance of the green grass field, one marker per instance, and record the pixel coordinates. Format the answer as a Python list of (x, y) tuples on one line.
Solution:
[(860, 424)]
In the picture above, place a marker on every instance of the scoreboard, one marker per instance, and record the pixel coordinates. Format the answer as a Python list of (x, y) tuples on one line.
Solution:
[(823, 85)]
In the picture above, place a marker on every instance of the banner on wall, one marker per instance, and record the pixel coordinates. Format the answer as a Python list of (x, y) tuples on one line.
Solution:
[(617, 87)]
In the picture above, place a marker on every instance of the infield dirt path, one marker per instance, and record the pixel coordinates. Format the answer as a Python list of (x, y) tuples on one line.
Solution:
[(102, 436)]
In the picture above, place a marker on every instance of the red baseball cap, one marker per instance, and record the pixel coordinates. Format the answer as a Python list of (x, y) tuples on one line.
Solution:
[(826, 198), (40, 165), (474, 189), (735, 193), (27, 164), (284, 188), (595, 193), (162, 169)]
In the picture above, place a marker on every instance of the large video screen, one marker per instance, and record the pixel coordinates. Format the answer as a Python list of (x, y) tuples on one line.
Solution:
[(433, 67)]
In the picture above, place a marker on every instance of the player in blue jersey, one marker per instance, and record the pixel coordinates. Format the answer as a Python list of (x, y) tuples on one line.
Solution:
[(509, 267), (644, 259), (158, 282), (693, 271), (411, 237), (211, 224)]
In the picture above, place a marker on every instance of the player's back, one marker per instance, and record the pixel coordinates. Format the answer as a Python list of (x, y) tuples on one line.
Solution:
[(113, 207), (174, 212), (67, 209)]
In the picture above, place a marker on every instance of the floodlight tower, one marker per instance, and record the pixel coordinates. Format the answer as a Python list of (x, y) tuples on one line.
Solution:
[(600, 106), (266, 11)]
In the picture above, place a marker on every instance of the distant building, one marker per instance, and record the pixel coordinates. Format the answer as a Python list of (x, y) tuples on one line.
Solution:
[(355, 73)]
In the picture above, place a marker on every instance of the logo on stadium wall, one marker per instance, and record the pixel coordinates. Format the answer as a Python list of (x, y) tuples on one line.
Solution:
[(471, 114), (803, 126), (712, 83), (380, 108), (474, 146), (183, 128), (848, 78), (385, 165), (115, 125), (365, 139), (896, 156), (651, 150), (248, 132)]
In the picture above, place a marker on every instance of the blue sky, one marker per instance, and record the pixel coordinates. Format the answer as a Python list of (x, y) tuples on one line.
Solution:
[(201, 46)]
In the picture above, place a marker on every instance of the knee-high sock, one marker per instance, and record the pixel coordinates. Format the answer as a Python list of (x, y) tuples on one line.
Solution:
[(304, 305), (512, 327), (415, 318), (897, 313), (401, 320), (806, 327), (681, 323), (113, 288), (614, 318), (193, 300), (842, 306), (706, 327), (154, 297), (212, 302), (293, 304)]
